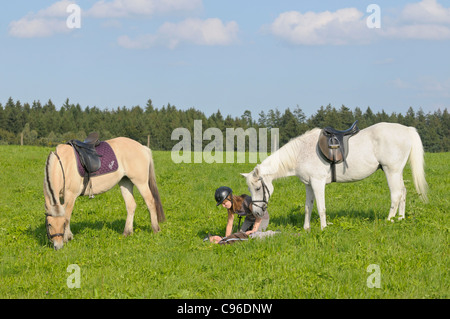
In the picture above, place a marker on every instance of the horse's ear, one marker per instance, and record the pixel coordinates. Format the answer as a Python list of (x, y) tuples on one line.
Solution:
[(245, 174), (256, 171)]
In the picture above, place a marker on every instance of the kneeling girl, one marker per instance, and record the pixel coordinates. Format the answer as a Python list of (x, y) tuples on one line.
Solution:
[(242, 206)]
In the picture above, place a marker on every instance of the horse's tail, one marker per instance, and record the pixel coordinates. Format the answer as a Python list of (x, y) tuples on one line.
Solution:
[(154, 190), (416, 159)]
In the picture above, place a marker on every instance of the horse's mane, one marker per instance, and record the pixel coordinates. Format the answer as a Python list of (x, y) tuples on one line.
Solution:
[(52, 190), (281, 162)]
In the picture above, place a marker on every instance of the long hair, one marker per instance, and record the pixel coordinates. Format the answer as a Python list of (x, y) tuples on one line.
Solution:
[(236, 202)]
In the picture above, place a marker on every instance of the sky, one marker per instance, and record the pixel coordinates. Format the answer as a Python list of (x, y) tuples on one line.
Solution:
[(229, 55)]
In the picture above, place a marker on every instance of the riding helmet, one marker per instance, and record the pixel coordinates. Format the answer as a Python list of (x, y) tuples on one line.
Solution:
[(222, 193)]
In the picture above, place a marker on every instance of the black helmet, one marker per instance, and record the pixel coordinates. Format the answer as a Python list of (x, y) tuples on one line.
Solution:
[(222, 193)]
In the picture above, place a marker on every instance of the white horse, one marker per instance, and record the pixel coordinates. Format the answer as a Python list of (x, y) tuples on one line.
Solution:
[(384, 145)]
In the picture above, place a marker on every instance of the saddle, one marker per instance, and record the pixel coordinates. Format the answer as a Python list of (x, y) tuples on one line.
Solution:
[(89, 158), (333, 145)]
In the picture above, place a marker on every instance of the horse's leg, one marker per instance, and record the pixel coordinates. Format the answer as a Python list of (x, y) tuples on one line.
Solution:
[(397, 188), (70, 202), (126, 188), (309, 204), (401, 208), (318, 187), (150, 202)]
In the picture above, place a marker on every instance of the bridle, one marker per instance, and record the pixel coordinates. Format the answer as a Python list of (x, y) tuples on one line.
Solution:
[(265, 200), (51, 236)]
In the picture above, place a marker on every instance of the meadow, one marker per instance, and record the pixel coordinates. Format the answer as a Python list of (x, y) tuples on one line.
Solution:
[(412, 255)]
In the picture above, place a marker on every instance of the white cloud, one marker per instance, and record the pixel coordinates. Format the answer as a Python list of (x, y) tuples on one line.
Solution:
[(326, 27), (425, 20), (426, 11), (127, 8), (209, 32), (37, 27), (44, 23), (52, 20)]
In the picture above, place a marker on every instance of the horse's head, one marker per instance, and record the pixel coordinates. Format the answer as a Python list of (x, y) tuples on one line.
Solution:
[(260, 188), (55, 226)]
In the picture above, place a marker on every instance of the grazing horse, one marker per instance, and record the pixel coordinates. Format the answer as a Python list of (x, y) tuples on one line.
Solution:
[(63, 184), (384, 145)]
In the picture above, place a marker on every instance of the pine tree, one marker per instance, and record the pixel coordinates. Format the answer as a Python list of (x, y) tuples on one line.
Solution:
[(318, 119), (262, 119), (289, 127), (410, 117), (247, 118), (2, 118), (369, 117), (299, 114), (357, 115)]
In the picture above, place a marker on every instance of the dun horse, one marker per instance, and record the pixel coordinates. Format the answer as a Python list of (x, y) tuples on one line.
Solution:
[(63, 184), (384, 145)]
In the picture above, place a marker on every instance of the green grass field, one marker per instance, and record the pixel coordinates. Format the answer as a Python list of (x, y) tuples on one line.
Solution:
[(412, 255)]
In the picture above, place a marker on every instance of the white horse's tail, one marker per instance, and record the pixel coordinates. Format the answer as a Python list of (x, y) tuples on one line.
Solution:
[(416, 159)]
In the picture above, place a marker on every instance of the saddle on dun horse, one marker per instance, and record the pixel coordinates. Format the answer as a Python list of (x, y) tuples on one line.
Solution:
[(333, 145), (88, 156)]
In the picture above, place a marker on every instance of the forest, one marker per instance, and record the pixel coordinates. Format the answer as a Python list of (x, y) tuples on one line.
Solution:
[(47, 125)]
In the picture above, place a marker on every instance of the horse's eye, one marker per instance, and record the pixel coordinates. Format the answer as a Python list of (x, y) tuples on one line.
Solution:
[(258, 188)]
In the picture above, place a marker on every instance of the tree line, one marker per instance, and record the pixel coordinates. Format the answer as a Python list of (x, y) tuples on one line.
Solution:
[(44, 124)]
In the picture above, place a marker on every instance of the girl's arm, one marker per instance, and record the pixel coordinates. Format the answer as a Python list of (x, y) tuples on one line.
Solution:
[(255, 226), (229, 228)]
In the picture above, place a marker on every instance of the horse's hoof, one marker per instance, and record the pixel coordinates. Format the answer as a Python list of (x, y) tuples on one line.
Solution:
[(68, 237), (156, 229)]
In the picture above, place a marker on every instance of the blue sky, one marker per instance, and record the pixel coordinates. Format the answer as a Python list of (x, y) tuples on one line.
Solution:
[(230, 55)]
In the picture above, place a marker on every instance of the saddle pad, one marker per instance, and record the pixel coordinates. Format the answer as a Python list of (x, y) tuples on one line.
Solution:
[(108, 160)]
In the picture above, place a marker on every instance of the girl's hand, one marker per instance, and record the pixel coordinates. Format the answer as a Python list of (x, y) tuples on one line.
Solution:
[(255, 226)]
